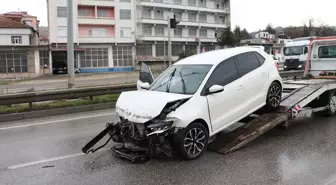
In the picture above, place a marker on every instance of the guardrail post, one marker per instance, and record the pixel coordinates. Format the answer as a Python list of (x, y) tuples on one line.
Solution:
[(31, 105), (91, 98)]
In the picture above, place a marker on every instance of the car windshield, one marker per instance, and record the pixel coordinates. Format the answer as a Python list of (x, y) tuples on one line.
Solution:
[(294, 50), (181, 79)]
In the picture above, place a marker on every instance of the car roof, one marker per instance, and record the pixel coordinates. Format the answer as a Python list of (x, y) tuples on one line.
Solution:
[(216, 56)]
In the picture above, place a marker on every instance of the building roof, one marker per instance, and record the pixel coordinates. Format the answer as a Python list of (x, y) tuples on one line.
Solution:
[(216, 56), (9, 23), (22, 13)]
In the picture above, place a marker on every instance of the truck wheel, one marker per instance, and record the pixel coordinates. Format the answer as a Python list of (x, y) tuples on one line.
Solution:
[(332, 104), (274, 96), (192, 141)]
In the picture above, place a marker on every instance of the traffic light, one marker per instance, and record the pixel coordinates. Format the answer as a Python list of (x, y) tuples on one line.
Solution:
[(173, 22)]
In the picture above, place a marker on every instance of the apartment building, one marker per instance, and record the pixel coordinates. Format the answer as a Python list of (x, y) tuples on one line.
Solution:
[(201, 21), (114, 35), (103, 34)]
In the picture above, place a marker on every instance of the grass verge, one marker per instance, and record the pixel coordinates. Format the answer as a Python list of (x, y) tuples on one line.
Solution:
[(58, 104)]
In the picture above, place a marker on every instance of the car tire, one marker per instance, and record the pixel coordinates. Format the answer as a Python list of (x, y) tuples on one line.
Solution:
[(191, 142), (274, 96), (331, 111)]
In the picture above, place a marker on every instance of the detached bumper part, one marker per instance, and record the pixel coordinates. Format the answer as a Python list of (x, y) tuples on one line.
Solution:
[(151, 146)]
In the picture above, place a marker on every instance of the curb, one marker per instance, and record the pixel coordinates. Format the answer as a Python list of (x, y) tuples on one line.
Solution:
[(55, 112)]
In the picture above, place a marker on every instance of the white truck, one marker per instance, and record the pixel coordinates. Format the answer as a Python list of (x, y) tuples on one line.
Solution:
[(295, 53), (314, 93)]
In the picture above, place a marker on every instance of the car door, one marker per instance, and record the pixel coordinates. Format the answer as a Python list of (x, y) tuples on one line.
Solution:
[(145, 76), (224, 107), (253, 79)]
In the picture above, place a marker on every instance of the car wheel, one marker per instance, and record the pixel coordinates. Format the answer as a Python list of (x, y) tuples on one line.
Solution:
[(274, 95), (192, 141), (331, 111)]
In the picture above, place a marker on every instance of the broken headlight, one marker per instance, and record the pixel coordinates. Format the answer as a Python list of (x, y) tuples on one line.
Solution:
[(160, 126)]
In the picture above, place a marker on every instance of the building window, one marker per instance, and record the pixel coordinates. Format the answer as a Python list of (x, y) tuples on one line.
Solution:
[(178, 16), (14, 61), (177, 1), (192, 17), (177, 49), (101, 13), (44, 58), (16, 39), (97, 32), (144, 50), (125, 32), (62, 31), (146, 13), (146, 30), (61, 11), (192, 2), (161, 49), (94, 57), (192, 32), (202, 18), (125, 14), (202, 3), (203, 33), (158, 14), (83, 12), (178, 32), (125, 0), (159, 31), (122, 56), (191, 49)]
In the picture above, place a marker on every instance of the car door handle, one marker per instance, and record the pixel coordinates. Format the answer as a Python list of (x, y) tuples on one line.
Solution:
[(264, 74), (241, 87)]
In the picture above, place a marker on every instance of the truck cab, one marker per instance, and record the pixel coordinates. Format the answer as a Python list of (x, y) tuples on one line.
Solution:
[(321, 62), (295, 54)]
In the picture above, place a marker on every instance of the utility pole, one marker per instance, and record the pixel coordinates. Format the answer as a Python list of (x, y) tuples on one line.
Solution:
[(70, 46), (169, 43)]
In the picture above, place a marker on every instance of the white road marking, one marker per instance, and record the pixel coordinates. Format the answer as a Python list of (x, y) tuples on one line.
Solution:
[(56, 121), (49, 160), (331, 180)]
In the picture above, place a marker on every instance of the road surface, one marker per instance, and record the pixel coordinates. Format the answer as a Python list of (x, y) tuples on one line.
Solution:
[(48, 151)]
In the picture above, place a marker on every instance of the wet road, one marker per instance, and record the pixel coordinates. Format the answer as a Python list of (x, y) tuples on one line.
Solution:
[(48, 151)]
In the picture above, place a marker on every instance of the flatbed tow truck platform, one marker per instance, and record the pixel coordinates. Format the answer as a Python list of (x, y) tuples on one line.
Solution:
[(314, 93)]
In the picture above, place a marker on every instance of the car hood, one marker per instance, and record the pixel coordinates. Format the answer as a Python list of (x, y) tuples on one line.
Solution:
[(142, 106)]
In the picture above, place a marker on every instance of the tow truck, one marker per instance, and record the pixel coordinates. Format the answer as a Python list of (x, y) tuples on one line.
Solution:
[(314, 92)]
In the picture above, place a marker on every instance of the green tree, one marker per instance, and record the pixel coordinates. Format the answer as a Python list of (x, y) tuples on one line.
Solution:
[(184, 54), (226, 38), (237, 33), (245, 34), (269, 28), (306, 32)]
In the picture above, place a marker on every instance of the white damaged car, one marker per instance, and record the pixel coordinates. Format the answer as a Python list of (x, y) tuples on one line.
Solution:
[(194, 99)]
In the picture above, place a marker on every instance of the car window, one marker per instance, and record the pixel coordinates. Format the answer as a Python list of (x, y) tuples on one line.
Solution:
[(327, 51), (260, 58), (246, 63), (225, 73)]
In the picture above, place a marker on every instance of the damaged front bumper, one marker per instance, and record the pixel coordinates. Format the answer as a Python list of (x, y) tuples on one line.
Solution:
[(136, 142)]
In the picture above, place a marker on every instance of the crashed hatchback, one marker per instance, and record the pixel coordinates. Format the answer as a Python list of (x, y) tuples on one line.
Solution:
[(190, 102)]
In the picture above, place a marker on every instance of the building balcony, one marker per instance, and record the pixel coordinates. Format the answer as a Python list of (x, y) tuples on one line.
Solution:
[(88, 20), (96, 39), (186, 23), (183, 38), (107, 3), (185, 6)]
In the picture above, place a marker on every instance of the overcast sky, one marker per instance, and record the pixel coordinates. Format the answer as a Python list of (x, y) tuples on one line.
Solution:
[(250, 14)]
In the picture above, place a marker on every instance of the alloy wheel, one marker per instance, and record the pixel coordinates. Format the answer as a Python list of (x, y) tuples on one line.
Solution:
[(275, 95), (194, 141), (332, 103)]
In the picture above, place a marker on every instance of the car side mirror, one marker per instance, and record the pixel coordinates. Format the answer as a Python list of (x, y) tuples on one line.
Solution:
[(144, 85), (215, 89)]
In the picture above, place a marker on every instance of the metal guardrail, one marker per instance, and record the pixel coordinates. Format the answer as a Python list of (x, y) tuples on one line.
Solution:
[(32, 97)]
